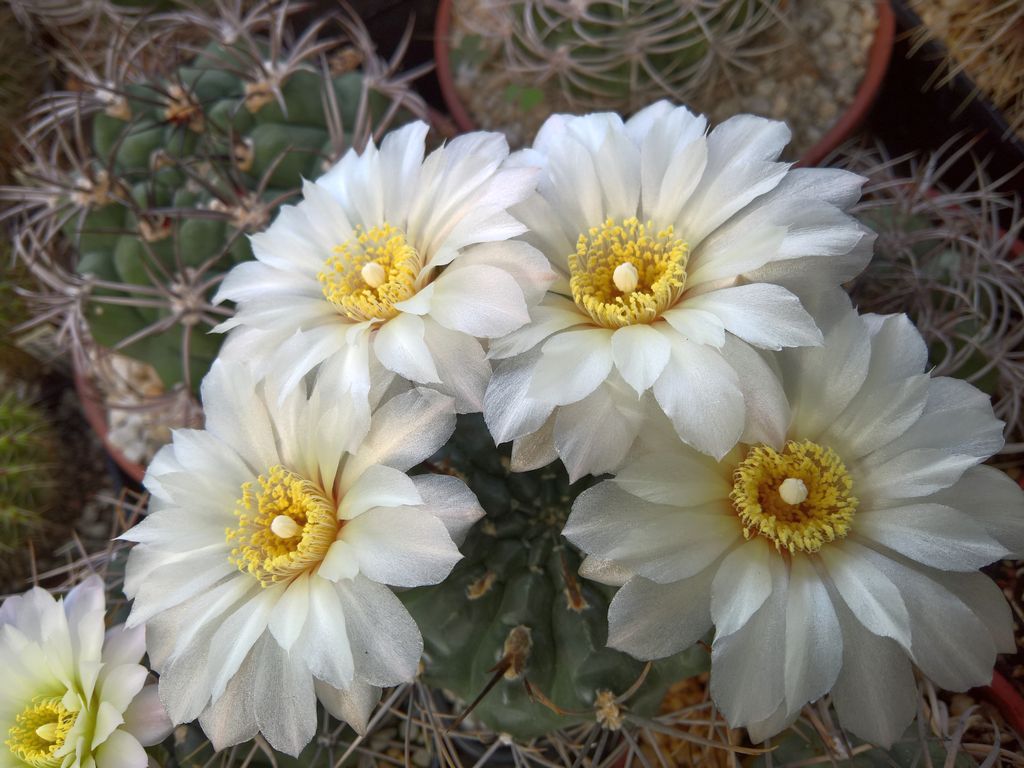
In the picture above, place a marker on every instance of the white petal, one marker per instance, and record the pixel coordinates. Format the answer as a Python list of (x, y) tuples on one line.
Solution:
[(178, 581), (949, 642), (873, 598), (747, 667), (340, 562), (119, 684), (741, 586), (814, 643), (911, 474), (732, 251), (939, 536), (238, 633), (146, 719), (739, 169), (696, 325), (594, 435), (641, 354), (661, 543), (878, 414), (405, 547), (765, 315), (604, 571), (285, 702), (401, 154), (325, 646), (480, 300), (652, 621), (400, 347), (231, 719), (124, 646), (875, 694), (986, 601), (821, 381), (668, 184), (681, 478), (461, 365), (528, 266), (572, 365), (699, 392), (236, 414), (386, 642), (121, 750), (768, 413), (994, 500), (352, 705), (289, 615), (556, 314), (509, 412), (451, 501), (405, 431), (536, 449), (378, 486)]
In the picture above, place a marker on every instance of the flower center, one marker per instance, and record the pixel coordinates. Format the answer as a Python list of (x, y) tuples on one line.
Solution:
[(623, 274), (285, 527), (39, 731), (800, 499), (367, 275)]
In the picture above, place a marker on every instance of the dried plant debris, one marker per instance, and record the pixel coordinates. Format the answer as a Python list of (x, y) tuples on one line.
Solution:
[(950, 257)]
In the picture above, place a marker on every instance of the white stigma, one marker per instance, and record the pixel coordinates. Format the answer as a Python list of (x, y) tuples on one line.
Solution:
[(284, 527), (793, 491), (47, 732), (625, 277), (373, 274)]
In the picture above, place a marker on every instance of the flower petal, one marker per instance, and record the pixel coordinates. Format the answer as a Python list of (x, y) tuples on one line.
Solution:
[(379, 486), (572, 365), (509, 411), (652, 621), (641, 354), (146, 719), (451, 501), (480, 300), (761, 314), (593, 435), (353, 704), (400, 347), (121, 750), (741, 586), (404, 547)]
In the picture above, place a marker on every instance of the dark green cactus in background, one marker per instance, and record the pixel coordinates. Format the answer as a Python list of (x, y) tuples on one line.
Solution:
[(622, 55), (185, 165), (515, 607)]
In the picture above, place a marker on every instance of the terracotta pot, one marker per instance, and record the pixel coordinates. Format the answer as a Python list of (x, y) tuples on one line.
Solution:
[(96, 414), (849, 121)]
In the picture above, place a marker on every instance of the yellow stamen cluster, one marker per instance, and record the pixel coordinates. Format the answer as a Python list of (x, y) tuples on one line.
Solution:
[(799, 499), (615, 295), (39, 732), (285, 527), (366, 276)]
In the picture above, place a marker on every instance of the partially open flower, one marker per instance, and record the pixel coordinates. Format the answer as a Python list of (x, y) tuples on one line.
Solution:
[(74, 695), (833, 554), (675, 252), (260, 571), (392, 264)]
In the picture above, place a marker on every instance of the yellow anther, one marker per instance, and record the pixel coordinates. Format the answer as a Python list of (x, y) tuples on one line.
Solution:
[(799, 499), (367, 275), (39, 732), (623, 274), (285, 527)]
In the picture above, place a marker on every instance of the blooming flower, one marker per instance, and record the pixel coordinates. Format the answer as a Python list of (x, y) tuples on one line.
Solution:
[(392, 264), (72, 695), (674, 251), (261, 567), (830, 556)]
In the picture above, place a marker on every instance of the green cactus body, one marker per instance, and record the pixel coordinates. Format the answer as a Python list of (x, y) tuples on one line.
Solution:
[(623, 54), (184, 166), (27, 445), (516, 599)]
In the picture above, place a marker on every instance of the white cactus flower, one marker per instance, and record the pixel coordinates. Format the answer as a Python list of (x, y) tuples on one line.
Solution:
[(261, 570), (74, 694), (677, 253), (835, 554), (392, 265)]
